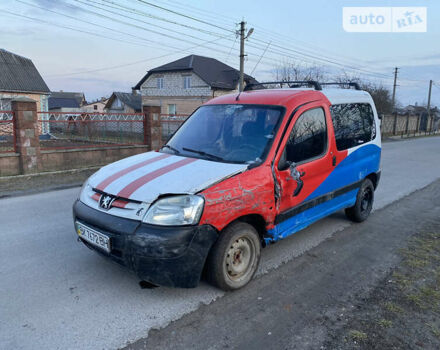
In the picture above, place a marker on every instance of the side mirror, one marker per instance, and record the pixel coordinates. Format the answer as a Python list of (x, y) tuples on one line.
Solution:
[(284, 164)]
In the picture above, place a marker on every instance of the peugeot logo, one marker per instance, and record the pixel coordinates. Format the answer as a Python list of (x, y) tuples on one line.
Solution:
[(105, 202)]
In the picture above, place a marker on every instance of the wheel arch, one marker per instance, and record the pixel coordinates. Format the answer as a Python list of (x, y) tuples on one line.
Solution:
[(255, 220), (374, 179)]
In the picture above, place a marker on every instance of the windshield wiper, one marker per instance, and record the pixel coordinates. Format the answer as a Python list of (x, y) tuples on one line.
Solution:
[(171, 148), (202, 153)]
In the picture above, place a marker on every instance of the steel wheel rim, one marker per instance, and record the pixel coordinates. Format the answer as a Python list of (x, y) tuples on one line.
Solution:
[(240, 258)]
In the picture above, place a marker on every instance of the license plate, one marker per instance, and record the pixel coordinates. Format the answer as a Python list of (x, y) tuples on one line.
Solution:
[(93, 237)]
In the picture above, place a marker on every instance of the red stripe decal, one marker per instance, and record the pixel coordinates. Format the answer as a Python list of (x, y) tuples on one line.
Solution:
[(121, 173), (127, 191), (96, 197), (119, 203)]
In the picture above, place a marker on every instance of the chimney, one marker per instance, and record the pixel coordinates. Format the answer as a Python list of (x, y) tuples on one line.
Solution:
[(133, 91)]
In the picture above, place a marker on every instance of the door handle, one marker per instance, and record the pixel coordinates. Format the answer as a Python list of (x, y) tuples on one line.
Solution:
[(334, 161), (299, 182)]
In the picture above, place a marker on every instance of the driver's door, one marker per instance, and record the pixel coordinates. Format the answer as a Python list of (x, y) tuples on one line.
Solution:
[(305, 159)]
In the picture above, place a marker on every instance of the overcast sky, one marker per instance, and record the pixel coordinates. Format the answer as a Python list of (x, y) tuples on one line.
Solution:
[(100, 46)]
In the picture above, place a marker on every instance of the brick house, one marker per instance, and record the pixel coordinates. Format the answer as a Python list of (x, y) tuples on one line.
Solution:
[(124, 102), (61, 101), (20, 78), (96, 106), (183, 85)]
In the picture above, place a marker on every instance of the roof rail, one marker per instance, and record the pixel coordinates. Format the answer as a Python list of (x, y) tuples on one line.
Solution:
[(291, 84), (348, 83)]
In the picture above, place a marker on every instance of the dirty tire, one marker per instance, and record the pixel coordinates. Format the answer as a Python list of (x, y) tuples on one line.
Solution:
[(364, 202), (233, 260)]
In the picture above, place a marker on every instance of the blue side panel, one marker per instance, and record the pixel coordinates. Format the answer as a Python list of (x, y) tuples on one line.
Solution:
[(365, 160), (308, 217), (356, 166)]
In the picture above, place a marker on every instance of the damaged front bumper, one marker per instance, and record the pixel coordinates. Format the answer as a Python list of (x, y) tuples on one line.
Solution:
[(171, 256)]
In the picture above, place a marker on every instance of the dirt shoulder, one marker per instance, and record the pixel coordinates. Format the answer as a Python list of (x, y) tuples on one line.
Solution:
[(403, 310)]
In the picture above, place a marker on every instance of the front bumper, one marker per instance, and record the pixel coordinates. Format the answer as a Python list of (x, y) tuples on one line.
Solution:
[(171, 256)]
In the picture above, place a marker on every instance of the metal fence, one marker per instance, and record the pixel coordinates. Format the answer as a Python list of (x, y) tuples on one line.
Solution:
[(7, 132), (67, 130), (169, 123), (409, 125)]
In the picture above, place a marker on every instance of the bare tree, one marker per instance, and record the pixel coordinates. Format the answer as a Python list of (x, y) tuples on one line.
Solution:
[(291, 71), (381, 95)]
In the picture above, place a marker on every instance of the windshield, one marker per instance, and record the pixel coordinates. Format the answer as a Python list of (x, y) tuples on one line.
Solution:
[(231, 133)]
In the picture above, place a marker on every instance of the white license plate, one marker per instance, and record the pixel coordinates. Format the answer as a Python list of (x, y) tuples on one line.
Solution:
[(93, 237)]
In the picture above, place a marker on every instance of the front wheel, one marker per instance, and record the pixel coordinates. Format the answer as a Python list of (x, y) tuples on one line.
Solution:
[(234, 258), (364, 202)]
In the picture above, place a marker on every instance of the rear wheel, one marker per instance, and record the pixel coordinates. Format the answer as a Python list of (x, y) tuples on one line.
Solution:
[(234, 258), (364, 202)]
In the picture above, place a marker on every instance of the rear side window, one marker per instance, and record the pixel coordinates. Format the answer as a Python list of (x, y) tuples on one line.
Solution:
[(353, 124), (308, 138)]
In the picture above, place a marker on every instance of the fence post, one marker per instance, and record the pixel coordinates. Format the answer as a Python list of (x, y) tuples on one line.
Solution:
[(27, 134), (407, 124), (395, 124), (418, 124), (152, 137)]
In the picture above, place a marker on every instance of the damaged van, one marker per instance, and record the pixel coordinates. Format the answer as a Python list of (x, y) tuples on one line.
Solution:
[(242, 172)]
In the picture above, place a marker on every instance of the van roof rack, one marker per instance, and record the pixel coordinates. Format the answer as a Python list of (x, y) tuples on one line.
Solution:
[(348, 83), (291, 84)]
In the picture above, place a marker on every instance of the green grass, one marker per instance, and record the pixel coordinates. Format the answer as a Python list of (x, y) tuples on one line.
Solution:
[(357, 336), (391, 307), (385, 323)]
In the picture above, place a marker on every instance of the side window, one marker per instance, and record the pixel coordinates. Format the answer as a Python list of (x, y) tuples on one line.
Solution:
[(308, 138), (353, 124), (159, 83), (186, 81)]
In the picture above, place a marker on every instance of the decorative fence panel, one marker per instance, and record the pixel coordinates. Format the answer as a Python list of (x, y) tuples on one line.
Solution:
[(7, 132), (66, 130), (408, 125), (169, 123)]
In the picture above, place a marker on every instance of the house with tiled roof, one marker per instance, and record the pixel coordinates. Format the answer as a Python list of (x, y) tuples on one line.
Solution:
[(124, 102), (183, 85), (61, 101), (20, 78)]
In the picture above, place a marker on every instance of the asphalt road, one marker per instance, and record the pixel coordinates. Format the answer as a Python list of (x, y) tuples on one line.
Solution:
[(306, 303), (57, 294)]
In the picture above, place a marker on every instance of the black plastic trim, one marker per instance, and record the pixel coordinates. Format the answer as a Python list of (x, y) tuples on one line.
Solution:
[(172, 256), (315, 201)]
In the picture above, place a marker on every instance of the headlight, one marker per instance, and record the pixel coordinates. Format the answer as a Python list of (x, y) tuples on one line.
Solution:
[(84, 190), (175, 210)]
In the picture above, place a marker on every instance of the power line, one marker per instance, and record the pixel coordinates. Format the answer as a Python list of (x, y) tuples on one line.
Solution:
[(260, 58), (322, 59), (145, 14), (134, 63), (183, 15), (229, 54), (133, 25), (94, 24), (71, 28)]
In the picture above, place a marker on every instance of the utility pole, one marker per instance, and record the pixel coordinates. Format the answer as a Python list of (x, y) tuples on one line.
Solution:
[(394, 88), (429, 121), (242, 29), (429, 98), (243, 37)]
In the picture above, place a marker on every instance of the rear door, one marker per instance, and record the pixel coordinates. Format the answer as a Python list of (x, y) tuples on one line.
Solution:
[(309, 143)]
